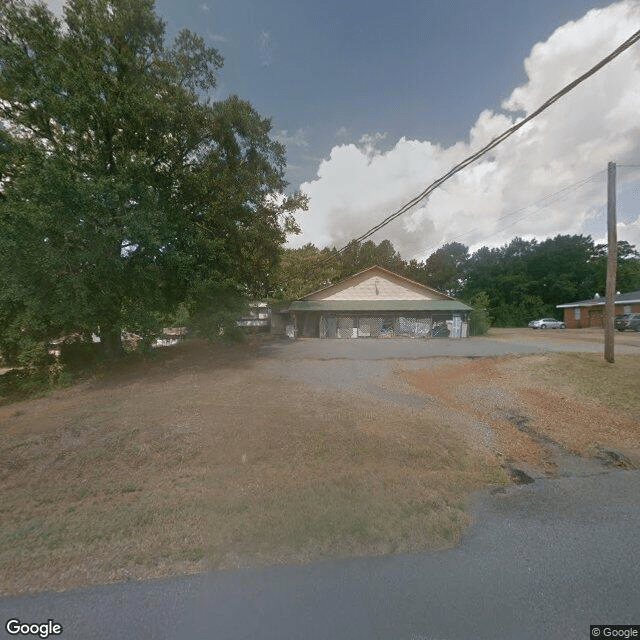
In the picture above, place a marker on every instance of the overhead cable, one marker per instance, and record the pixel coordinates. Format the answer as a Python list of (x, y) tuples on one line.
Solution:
[(491, 145), (542, 203)]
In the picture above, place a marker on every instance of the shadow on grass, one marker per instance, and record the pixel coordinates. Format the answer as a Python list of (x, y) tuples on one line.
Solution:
[(161, 364)]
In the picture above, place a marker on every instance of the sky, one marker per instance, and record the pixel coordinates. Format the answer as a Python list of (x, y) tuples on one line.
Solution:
[(374, 100)]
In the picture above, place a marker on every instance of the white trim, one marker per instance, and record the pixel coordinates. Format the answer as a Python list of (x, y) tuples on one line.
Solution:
[(594, 304)]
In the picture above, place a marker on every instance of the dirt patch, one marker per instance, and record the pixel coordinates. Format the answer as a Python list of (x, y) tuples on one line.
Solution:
[(536, 419), (478, 389)]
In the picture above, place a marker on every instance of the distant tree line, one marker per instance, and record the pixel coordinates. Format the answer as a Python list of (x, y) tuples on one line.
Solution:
[(513, 284)]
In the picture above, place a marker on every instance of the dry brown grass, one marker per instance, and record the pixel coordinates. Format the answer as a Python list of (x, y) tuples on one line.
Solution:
[(600, 401), (587, 375), (575, 400), (196, 461)]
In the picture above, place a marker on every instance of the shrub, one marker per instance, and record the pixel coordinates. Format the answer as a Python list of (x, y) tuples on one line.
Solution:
[(479, 320)]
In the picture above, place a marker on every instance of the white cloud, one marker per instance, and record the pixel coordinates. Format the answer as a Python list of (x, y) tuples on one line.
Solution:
[(265, 49), (56, 6), (342, 132), (297, 139), (368, 139), (597, 122), (630, 230), (205, 8), (216, 37), (368, 143)]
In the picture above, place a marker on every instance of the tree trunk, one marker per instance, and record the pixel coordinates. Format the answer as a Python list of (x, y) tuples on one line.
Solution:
[(111, 340)]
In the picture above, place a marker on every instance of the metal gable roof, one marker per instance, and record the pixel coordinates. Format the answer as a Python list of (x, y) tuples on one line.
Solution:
[(632, 296), (383, 272)]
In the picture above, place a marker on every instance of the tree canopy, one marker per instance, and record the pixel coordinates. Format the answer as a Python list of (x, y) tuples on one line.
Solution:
[(525, 279), (126, 192)]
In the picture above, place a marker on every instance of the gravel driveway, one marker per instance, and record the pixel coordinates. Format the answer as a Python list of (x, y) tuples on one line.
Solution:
[(499, 342), (363, 365), (466, 390)]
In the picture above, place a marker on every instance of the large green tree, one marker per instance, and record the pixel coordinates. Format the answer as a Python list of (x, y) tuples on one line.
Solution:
[(125, 191), (306, 269), (526, 279), (628, 268), (361, 255), (508, 285), (446, 268)]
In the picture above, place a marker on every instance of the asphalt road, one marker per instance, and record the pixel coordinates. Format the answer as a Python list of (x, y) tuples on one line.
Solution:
[(544, 561)]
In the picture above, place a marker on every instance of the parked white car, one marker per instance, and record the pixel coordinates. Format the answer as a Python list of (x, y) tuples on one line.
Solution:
[(547, 323)]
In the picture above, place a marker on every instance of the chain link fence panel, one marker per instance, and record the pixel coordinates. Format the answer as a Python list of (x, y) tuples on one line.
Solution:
[(389, 326)]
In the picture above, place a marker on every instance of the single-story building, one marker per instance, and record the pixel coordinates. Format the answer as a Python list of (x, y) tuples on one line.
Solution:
[(377, 303), (258, 316), (590, 313)]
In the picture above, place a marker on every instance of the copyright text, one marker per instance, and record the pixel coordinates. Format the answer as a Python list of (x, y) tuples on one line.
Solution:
[(615, 631)]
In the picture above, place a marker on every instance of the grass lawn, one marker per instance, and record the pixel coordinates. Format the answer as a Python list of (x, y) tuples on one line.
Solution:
[(197, 461), (616, 385)]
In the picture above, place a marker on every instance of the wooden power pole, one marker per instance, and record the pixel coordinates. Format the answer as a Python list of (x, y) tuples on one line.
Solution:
[(612, 263)]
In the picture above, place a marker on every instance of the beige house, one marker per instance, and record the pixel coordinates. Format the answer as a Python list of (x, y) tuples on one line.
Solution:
[(378, 303)]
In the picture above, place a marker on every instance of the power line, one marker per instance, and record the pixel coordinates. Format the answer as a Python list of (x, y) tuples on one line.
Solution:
[(494, 143), (542, 203), (561, 192), (502, 137)]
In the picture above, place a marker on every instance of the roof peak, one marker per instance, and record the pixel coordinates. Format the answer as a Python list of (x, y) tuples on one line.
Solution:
[(388, 272)]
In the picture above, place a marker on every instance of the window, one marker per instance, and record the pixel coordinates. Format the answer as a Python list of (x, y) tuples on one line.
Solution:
[(626, 308), (576, 313)]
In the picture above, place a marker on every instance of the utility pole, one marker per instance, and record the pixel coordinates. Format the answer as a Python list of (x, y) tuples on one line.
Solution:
[(612, 263)]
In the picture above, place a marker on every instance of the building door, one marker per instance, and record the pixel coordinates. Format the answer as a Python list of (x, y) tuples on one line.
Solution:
[(328, 327), (596, 318)]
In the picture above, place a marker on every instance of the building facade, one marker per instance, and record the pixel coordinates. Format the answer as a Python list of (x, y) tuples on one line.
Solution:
[(590, 313), (378, 303)]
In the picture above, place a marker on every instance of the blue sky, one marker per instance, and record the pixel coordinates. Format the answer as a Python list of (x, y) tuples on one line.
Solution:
[(331, 72), (375, 100)]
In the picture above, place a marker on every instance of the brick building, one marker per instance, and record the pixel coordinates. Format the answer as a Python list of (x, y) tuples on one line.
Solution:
[(590, 313)]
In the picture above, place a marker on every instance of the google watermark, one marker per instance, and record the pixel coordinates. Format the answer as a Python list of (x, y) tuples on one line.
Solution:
[(15, 627), (614, 631)]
